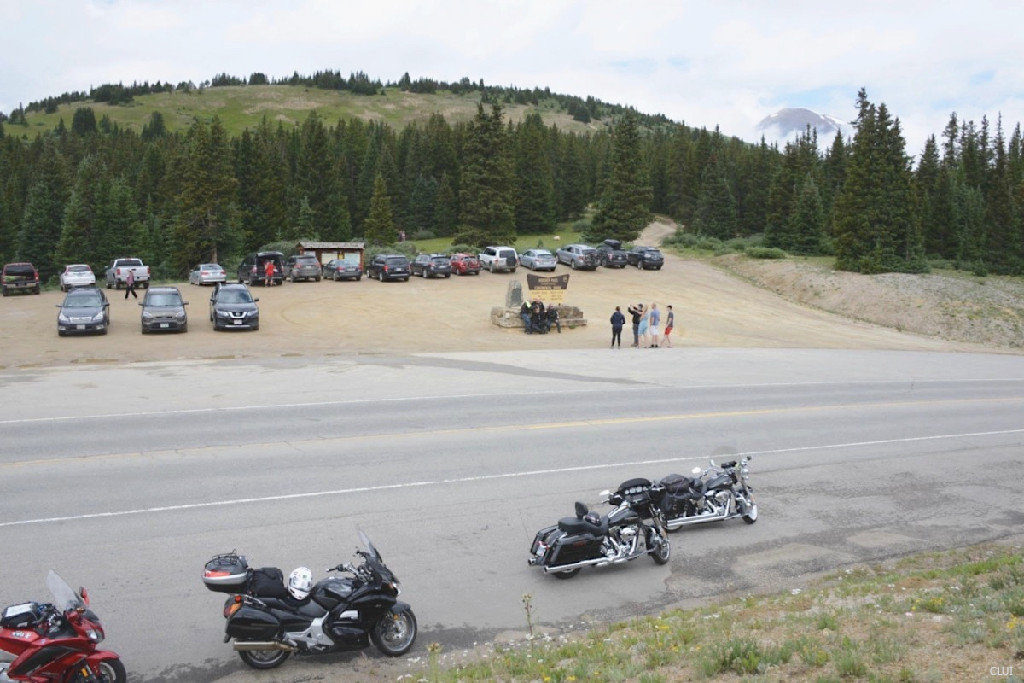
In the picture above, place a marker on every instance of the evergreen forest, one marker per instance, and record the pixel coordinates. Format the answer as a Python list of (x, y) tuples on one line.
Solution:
[(94, 190)]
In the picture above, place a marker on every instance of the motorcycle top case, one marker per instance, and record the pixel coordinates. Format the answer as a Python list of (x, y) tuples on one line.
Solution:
[(24, 615), (226, 573)]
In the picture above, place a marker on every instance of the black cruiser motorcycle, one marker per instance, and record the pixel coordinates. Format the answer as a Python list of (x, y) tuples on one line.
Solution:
[(630, 530), (715, 494), (341, 613)]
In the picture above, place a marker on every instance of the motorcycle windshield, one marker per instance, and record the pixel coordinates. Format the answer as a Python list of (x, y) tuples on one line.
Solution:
[(64, 596), (374, 559)]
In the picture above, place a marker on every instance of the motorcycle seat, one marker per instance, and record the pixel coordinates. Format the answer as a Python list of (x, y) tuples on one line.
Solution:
[(576, 526)]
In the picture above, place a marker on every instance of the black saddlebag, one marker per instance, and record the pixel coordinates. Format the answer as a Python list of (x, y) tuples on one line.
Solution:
[(249, 623), (226, 573), (577, 548), (676, 483)]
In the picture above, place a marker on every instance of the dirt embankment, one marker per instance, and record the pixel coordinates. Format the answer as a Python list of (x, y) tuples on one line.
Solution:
[(728, 301)]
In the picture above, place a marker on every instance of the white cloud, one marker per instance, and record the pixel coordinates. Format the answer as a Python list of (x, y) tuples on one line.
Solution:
[(725, 63)]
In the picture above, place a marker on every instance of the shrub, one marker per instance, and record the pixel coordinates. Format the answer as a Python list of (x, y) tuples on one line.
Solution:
[(766, 253)]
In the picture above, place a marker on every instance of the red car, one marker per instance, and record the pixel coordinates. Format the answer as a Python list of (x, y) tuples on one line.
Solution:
[(465, 264)]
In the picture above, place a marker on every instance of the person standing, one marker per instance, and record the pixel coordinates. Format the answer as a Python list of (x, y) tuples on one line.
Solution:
[(636, 312), (654, 327), (617, 321), (645, 323), (129, 285), (268, 273), (670, 322)]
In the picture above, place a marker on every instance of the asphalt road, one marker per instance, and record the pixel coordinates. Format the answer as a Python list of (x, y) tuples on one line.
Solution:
[(127, 479)]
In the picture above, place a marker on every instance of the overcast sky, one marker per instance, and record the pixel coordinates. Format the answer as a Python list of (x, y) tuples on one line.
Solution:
[(708, 63)]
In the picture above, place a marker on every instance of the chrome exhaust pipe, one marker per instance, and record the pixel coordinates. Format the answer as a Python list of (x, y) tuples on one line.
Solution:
[(253, 645), (673, 524)]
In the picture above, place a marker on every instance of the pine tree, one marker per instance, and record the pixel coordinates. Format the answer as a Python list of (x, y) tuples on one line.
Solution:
[(486, 198), (625, 206), (535, 186), (379, 227), (876, 226), (446, 208), (716, 207), (44, 210), (207, 220), (807, 221), (85, 235)]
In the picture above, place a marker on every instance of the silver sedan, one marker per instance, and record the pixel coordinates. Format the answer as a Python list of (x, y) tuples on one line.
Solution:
[(207, 274)]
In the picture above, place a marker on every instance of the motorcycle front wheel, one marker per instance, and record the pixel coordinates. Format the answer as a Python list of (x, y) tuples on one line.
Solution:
[(395, 633), (662, 552), (263, 659), (751, 515), (110, 671)]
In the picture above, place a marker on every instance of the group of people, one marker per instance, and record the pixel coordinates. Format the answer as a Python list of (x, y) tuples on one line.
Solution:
[(647, 330), (537, 319)]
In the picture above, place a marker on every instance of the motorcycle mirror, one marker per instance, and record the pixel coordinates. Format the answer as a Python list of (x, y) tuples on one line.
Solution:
[(605, 493), (85, 595), (695, 470)]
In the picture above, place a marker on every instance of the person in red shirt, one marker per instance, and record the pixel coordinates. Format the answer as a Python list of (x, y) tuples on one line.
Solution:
[(268, 270)]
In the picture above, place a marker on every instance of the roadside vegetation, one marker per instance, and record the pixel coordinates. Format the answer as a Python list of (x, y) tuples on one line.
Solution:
[(956, 615)]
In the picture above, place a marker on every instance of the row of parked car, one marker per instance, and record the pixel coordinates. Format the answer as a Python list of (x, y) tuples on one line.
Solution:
[(86, 310)]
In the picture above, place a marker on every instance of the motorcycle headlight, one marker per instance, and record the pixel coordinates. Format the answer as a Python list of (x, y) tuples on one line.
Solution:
[(94, 634)]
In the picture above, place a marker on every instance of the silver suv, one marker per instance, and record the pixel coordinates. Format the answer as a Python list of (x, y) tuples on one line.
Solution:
[(302, 267)]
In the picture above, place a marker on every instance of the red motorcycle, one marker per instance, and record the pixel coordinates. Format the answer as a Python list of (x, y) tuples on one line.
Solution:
[(56, 642)]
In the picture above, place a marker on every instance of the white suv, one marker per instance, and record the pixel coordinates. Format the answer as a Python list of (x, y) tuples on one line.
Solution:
[(499, 258)]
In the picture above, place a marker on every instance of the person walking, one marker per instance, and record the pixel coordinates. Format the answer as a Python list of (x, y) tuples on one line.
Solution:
[(654, 327), (636, 312), (617, 321), (129, 285), (670, 322)]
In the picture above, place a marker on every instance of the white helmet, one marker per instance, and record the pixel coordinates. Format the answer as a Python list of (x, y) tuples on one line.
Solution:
[(300, 582)]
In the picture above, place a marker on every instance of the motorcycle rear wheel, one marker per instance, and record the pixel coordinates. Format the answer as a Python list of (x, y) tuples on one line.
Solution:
[(263, 659), (394, 634)]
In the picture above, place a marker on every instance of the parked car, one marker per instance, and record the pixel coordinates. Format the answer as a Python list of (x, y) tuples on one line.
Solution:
[(389, 267), (253, 268), (302, 267), (645, 258), (85, 309), (432, 265), (611, 254), (233, 306), (465, 264), (207, 274), (495, 259), (340, 269), (578, 256), (117, 274), (77, 275), (20, 277), (163, 309), (538, 259)]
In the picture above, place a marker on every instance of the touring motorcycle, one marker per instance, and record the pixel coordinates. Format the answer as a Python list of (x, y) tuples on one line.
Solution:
[(57, 641), (627, 532), (340, 613), (715, 494)]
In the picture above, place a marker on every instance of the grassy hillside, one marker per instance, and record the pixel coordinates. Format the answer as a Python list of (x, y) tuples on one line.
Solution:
[(241, 107)]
